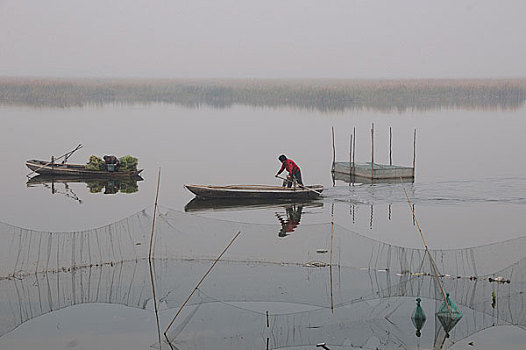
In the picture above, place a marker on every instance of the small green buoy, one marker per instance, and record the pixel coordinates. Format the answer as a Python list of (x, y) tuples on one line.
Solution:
[(418, 317)]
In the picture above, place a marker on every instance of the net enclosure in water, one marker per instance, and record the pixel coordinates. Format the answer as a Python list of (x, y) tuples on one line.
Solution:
[(323, 283)]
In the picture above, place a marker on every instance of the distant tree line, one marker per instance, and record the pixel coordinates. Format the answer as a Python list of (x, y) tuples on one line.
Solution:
[(320, 95)]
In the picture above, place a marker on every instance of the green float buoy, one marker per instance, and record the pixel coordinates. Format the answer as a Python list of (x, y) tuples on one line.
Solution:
[(449, 317), (418, 317)]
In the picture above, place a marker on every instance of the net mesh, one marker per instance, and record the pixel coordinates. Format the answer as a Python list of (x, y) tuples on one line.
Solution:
[(323, 283)]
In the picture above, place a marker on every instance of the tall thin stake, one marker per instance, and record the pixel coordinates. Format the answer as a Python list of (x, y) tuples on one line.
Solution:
[(333, 150), (150, 262), (154, 214), (431, 260), (414, 152), (372, 151), (197, 286), (354, 151), (350, 162), (390, 146)]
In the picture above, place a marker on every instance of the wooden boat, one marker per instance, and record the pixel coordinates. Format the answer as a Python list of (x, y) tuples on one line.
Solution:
[(255, 191), (79, 170)]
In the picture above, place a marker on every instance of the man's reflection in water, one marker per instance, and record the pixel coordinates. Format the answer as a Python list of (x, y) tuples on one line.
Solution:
[(111, 187), (292, 220)]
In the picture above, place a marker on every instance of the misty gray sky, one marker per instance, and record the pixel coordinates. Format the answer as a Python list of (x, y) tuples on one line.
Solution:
[(264, 38)]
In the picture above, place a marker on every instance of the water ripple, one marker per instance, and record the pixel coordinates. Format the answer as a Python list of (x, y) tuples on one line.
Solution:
[(489, 190)]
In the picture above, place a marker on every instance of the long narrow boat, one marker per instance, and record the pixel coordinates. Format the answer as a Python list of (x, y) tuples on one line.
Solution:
[(67, 169), (255, 191)]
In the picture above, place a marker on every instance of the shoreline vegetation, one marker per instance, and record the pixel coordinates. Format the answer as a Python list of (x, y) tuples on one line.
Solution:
[(323, 95)]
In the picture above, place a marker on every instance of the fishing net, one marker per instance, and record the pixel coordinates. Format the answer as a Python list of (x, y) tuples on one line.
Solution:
[(28, 251), (322, 283)]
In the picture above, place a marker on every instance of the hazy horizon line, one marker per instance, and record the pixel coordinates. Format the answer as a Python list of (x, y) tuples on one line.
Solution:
[(248, 78)]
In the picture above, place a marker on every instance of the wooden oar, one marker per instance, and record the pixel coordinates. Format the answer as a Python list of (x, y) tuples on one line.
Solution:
[(301, 186)]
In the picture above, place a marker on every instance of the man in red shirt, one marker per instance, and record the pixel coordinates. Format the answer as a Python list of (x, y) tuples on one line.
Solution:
[(292, 168)]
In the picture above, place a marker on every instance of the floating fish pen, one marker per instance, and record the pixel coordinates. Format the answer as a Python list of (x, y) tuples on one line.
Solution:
[(370, 172)]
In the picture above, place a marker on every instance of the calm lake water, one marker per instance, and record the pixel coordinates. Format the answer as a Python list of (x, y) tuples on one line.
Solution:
[(470, 188)]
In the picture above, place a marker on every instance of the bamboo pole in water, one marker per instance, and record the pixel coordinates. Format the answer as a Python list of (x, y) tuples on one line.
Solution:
[(431, 260), (150, 263), (390, 146), (154, 215), (372, 151), (333, 149), (414, 152), (354, 151), (197, 286), (350, 161)]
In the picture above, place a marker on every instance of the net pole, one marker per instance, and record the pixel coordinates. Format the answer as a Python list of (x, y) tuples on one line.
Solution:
[(154, 215), (198, 284), (333, 150), (150, 262), (350, 161), (431, 260)]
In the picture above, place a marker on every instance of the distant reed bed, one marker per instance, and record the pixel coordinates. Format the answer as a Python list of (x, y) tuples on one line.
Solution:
[(316, 94)]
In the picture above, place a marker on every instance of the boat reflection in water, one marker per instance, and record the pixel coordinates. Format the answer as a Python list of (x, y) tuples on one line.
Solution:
[(105, 186), (204, 205), (288, 220)]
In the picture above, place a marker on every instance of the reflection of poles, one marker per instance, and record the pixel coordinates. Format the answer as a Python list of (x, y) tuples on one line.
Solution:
[(330, 258), (68, 192), (371, 218)]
